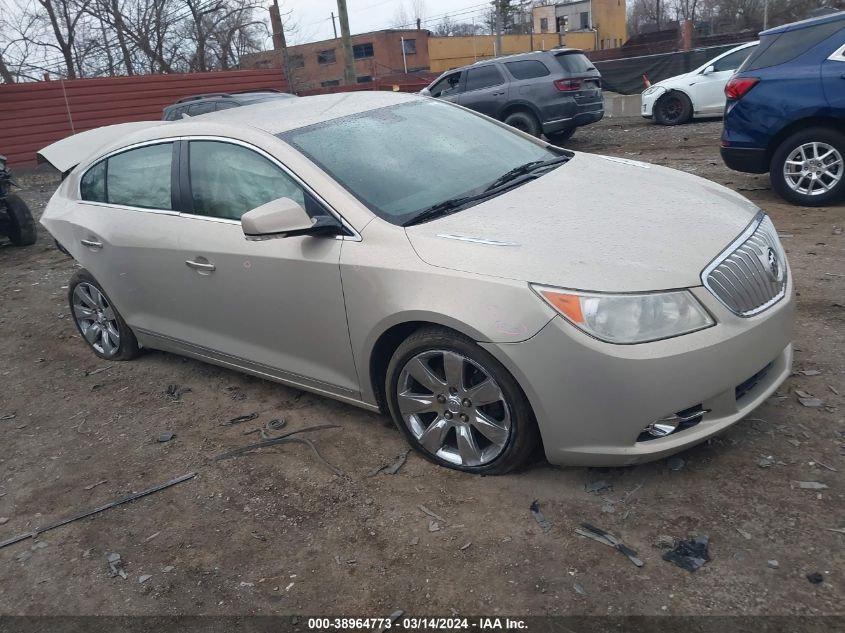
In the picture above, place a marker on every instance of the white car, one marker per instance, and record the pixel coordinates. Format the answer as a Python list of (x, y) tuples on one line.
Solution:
[(699, 93)]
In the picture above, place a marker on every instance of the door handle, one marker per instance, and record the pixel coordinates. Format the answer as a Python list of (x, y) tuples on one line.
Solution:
[(204, 267), (92, 244)]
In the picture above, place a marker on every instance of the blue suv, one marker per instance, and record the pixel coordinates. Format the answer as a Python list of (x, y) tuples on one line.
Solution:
[(785, 111)]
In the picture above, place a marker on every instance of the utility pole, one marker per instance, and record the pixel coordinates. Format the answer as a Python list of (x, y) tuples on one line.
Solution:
[(765, 14), (279, 42), (349, 65), (499, 7), (334, 26)]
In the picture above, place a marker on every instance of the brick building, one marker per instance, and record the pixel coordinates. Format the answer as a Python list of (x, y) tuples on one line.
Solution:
[(320, 64)]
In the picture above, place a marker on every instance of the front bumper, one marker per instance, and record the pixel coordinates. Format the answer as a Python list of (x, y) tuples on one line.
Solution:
[(592, 399), (648, 99)]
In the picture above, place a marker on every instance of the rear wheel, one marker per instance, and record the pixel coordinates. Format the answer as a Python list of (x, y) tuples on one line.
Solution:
[(673, 108), (21, 224), (524, 121), (457, 405), (98, 321), (808, 168)]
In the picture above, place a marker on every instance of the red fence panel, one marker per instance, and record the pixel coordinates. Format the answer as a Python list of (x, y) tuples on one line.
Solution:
[(33, 115)]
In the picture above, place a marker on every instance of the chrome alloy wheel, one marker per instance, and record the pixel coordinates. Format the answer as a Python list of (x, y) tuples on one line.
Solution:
[(454, 408), (96, 319), (813, 168)]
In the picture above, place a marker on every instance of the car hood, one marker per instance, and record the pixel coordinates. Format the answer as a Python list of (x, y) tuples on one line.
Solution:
[(595, 223), (677, 80)]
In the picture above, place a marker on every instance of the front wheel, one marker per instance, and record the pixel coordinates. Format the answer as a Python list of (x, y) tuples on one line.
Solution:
[(98, 321), (673, 108), (808, 167), (21, 224), (457, 405)]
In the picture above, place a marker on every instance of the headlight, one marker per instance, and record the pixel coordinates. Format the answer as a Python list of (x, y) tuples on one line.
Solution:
[(629, 318)]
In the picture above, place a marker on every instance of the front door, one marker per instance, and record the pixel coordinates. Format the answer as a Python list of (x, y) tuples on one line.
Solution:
[(484, 90)]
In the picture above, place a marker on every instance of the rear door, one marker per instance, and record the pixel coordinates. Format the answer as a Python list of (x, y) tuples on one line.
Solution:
[(485, 89), (833, 77)]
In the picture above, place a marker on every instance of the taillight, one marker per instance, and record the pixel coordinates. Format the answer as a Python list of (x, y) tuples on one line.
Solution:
[(738, 87), (568, 85)]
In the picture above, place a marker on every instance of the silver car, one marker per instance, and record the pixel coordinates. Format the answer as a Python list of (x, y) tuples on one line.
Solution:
[(488, 290)]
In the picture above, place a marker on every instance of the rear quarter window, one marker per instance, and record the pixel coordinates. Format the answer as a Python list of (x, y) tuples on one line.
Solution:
[(780, 48), (92, 187), (527, 69), (575, 63)]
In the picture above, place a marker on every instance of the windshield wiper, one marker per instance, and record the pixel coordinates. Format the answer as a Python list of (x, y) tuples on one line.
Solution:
[(455, 204), (527, 168)]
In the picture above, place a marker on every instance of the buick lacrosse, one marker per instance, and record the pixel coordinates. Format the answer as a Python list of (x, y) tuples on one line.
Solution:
[(489, 291)]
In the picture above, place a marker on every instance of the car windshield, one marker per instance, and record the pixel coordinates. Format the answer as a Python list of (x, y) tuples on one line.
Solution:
[(402, 159)]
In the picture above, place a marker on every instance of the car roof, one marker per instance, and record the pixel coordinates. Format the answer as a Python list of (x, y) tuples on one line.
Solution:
[(794, 26), (281, 115)]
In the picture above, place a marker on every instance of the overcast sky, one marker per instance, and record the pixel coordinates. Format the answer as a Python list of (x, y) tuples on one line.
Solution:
[(314, 16)]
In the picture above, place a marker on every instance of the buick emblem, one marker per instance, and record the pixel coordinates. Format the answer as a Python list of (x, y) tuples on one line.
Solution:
[(771, 262)]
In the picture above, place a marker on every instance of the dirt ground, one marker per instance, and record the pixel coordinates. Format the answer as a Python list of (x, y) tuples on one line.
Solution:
[(274, 533)]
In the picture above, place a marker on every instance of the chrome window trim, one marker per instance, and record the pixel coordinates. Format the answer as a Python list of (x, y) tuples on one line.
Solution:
[(838, 55), (727, 252), (355, 237)]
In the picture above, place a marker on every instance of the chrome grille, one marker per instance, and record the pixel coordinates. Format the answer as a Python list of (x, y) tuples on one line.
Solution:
[(750, 275)]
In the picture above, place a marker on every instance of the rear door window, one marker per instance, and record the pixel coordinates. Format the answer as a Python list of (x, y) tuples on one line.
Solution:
[(140, 177), (201, 108), (574, 63), (732, 61), (483, 77), (527, 69), (780, 48)]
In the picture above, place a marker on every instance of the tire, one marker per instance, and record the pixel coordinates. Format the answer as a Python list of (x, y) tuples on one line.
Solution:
[(824, 150), (524, 121), (562, 136), (431, 418), (87, 298), (21, 224), (673, 108)]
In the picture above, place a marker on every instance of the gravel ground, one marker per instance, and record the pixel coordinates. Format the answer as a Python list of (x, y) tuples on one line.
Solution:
[(275, 533)]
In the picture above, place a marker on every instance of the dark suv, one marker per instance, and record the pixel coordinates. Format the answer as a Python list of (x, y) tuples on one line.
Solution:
[(785, 111), (202, 104), (550, 92)]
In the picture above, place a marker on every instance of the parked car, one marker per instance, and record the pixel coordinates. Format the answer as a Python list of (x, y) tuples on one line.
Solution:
[(16, 221), (408, 256), (205, 103), (785, 112), (549, 92), (696, 94)]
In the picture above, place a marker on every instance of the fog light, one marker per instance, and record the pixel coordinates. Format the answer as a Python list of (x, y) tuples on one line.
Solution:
[(679, 421), (663, 426)]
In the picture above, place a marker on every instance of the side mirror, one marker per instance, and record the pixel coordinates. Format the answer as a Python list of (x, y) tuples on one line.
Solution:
[(710, 69), (425, 92), (284, 217)]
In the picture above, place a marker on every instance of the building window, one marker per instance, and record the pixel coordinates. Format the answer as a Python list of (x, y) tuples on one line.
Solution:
[(364, 79), (326, 57), (330, 83), (362, 51), (585, 19), (409, 47), (296, 61), (544, 25)]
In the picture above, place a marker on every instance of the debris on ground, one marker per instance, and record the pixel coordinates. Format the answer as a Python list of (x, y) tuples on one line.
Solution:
[(810, 485), (96, 371), (8, 416), (175, 392), (433, 526), (23, 556), (773, 564), (390, 621), (286, 438), (414, 540), (839, 530), (144, 578), (596, 487), (4, 520), (539, 516), (815, 578), (597, 534), (809, 372), (690, 554), (664, 541), (116, 566), (579, 588), (166, 436), (97, 510), (465, 546), (675, 463), (393, 467), (241, 418), (766, 462), (95, 484), (815, 462), (808, 399), (434, 516), (746, 535)]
